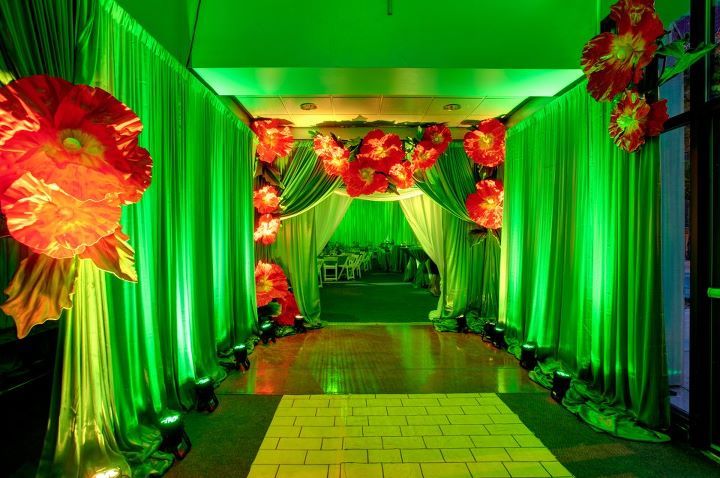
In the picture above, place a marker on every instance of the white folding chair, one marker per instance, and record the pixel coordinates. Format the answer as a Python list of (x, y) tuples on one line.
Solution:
[(330, 269)]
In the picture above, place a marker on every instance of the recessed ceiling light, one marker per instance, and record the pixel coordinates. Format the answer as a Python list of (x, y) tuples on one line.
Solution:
[(451, 107), (308, 106)]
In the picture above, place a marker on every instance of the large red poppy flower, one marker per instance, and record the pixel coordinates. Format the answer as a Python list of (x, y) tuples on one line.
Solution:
[(266, 200), (75, 136), (275, 139), (266, 229), (382, 150), (323, 144), (439, 136), (611, 61), (334, 155), (362, 178), (289, 309), (485, 205), (633, 119), (270, 283), (486, 144), (424, 155), (401, 175)]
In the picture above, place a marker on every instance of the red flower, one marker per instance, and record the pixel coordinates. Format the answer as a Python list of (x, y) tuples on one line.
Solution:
[(266, 229), (633, 119), (266, 200), (485, 206), (270, 283), (486, 144), (439, 136), (382, 150), (611, 61), (362, 178), (323, 144), (289, 310), (334, 155), (424, 155), (75, 136), (401, 175), (275, 139)]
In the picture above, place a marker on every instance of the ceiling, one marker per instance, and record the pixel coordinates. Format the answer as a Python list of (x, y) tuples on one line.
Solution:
[(355, 58)]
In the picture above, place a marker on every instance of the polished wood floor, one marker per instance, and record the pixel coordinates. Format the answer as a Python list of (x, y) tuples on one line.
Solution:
[(385, 358)]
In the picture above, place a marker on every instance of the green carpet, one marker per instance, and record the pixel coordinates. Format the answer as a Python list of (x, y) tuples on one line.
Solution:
[(378, 297), (587, 453)]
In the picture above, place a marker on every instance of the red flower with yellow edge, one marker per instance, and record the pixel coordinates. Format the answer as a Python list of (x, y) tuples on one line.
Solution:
[(336, 163), (439, 136), (382, 150), (275, 139), (633, 119), (266, 229), (401, 175), (486, 144), (270, 283), (289, 309), (77, 137), (424, 155), (323, 144), (362, 178), (485, 205), (611, 61), (266, 199)]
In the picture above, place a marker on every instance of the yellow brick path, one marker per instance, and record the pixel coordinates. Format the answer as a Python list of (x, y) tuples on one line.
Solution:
[(457, 435)]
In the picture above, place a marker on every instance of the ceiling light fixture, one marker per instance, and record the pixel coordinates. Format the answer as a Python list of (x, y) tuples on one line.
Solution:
[(308, 106), (452, 107)]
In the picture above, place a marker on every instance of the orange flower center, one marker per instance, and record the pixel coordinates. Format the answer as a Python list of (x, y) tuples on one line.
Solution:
[(628, 47), (367, 175), (78, 147), (65, 213), (628, 122), (264, 285), (485, 141), (437, 138)]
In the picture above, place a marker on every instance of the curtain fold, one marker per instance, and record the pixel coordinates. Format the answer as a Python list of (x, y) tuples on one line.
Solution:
[(371, 223), (581, 263)]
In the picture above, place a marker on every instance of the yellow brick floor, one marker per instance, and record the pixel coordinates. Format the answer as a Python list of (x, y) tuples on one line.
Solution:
[(458, 435)]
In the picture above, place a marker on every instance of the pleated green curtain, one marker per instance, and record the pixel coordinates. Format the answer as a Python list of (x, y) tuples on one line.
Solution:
[(129, 351), (371, 223), (581, 263), (470, 283)]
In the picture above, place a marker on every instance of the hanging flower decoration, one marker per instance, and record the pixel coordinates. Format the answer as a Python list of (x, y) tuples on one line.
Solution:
[(424, 155), (266, 200), (485, 205), (69, 159), (270, 283), (332, 153), (381, 150), (633, 120), (401, 175), (611, 61), (486, 144), (275, 139), (362, 178), (438, 136), (266, 229), (289, 309)]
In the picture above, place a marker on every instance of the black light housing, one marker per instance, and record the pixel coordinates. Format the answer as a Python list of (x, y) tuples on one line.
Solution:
[(241, 357), (174, 438), (207, 400), (268, 332), (528, 355), (561, 384), (498, 336), (299, 325), (462, 325), (489, 329)]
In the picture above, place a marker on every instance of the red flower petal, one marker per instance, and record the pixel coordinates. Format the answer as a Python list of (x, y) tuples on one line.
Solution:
[(424, 155), (266, 229), (270, 283), (402, 175), (40, 289), (633, 15), (383, 150), (486, 144), (439, 136), (631, 120), (275, 139), (113, 254), (51, 222), (362, 178), (485, 206), (336, 164), (266, 200), (656, 118), (81, 139), (289, 310)]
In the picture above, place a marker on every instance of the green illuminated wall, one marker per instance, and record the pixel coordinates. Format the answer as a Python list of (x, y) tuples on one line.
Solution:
[(372, 223)]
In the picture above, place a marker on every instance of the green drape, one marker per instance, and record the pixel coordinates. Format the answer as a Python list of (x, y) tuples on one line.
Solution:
[(371, 223), (581, 257), (191, 233), (470, 283)]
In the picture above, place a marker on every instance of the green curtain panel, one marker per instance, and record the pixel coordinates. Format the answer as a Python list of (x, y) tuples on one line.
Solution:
[(191, 233), (371, 223), (581, 263), (471, 281)]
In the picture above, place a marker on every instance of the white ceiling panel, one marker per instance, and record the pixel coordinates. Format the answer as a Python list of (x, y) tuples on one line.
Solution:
[(263, 105), (497, 106), (405, 105), (467, 106), (362, 105), (323, 103)]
